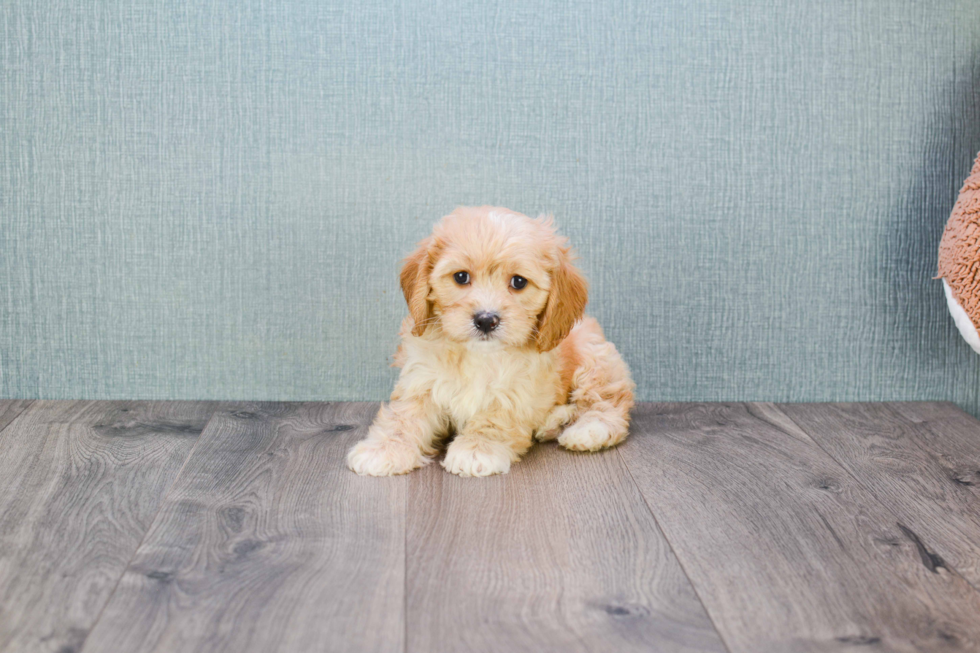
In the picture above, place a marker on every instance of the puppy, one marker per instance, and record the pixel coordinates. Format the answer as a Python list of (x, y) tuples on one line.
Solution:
[(496, 350)]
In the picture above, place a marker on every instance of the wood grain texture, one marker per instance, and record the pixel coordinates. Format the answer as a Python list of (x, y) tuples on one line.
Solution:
[(561, 554), (10, 409), (80, 483), (922, 460), (268, 543), (788, 551)]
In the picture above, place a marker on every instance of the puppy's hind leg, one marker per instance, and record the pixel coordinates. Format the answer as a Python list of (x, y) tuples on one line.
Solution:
[(602, 392), (595, 429)]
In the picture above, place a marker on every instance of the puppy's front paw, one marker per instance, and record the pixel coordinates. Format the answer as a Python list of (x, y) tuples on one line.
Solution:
[(476, 457), (384, 458), (587, 435)]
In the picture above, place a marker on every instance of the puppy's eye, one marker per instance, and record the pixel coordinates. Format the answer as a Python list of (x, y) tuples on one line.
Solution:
[(518, 282), (462, 278)]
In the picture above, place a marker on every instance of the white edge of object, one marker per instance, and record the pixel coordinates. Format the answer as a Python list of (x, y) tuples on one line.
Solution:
[(962, 320)]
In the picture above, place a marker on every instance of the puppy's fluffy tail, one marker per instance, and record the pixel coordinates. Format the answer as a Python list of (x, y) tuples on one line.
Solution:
[(601, 392)]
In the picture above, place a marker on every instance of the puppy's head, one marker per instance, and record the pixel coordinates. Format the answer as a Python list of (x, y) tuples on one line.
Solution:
[(489, 275)]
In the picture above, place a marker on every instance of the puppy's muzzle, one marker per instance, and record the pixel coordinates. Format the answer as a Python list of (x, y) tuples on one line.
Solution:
[(486, 321)]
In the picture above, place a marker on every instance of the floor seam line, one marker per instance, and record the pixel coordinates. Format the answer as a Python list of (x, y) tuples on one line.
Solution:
[(149, 528), (673, 551), (871, 490), (931, 456), (405, 504), (22, 411)]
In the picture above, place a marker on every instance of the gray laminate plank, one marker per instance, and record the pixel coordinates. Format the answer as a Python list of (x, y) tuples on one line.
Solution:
[(11, 408), (561, 554), (786, 549), (80, 483), (948, 432), (266, 542), (920, 460)]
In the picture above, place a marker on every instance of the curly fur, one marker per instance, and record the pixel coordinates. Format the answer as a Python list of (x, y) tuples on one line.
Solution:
[(545, 372)]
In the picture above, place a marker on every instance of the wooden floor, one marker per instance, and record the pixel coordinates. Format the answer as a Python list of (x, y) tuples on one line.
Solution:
[(183, 527)]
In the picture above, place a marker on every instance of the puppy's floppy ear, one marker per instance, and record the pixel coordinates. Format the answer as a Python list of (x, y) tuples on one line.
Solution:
[(566, 302), (415, 285)]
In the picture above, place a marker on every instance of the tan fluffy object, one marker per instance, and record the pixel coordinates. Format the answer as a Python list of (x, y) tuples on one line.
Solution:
[(959, 259)]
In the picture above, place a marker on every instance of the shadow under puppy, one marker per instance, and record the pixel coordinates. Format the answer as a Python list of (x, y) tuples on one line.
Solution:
[(496, 349)]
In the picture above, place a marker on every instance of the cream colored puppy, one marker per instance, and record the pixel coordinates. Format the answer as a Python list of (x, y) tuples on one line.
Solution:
[(495, 349)]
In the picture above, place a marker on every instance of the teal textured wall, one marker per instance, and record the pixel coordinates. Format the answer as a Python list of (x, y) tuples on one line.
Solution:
[(209, 200)]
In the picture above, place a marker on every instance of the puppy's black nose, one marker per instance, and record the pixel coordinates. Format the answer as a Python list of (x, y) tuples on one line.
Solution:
[(486, 322)]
